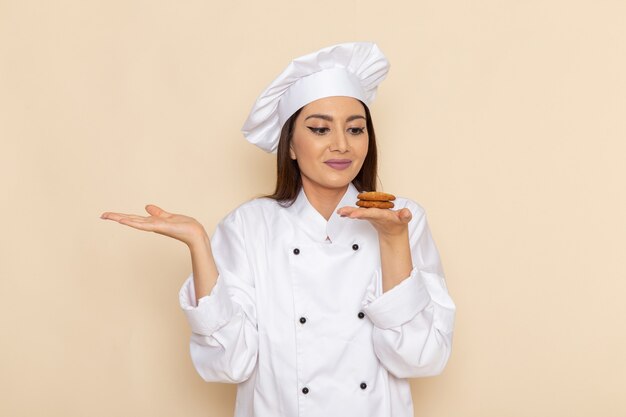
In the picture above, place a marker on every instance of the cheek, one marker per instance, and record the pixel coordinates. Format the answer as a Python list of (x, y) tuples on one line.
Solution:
[(306, 149), (361, 148)]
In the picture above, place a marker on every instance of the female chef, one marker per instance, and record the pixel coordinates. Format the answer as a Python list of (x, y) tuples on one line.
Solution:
[(313, 306)]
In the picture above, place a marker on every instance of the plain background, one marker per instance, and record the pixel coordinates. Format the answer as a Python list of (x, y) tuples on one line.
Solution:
[(504, 119)]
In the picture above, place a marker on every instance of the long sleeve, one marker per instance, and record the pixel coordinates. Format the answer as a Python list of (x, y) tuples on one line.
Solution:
[(413, 321), (224, 340)]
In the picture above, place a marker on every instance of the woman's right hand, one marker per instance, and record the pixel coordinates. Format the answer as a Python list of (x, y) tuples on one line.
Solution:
[(184, 228)]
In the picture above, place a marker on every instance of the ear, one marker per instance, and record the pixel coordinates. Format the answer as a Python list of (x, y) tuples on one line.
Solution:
[(292, 154)]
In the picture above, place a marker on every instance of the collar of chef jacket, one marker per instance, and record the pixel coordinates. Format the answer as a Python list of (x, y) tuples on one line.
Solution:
[(315, 225)]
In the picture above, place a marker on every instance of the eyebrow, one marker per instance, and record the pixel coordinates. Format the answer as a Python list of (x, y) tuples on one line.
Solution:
[(330, 119)]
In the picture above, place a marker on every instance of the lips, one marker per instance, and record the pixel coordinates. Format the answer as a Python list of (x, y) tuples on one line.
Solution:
[(338, 164)]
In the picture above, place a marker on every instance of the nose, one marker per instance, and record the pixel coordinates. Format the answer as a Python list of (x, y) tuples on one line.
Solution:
[(339, 142)]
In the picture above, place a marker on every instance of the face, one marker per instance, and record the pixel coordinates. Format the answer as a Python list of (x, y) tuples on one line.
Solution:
[(330, 142)]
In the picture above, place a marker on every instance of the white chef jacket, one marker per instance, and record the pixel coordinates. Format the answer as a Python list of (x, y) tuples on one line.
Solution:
[(298, 317)]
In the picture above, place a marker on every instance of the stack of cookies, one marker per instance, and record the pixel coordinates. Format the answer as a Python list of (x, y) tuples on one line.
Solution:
[(375, 199)]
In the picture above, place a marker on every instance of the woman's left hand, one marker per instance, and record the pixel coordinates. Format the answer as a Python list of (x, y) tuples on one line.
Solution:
[(393, 235), (388, 223)]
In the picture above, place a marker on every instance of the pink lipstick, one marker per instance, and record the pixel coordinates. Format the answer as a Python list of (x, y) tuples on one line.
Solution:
[(339, 164)]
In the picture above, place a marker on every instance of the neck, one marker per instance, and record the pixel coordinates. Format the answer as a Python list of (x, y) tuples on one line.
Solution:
[(324, 200)]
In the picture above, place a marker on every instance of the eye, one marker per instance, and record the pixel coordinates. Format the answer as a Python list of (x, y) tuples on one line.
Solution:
[(319, 130), (356, 130)]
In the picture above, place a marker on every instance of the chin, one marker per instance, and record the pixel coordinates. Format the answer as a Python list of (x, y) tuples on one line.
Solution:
[(332, 180), (337, 182)]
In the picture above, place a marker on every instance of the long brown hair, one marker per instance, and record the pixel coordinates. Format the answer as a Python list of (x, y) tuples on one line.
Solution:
[(289, 179)]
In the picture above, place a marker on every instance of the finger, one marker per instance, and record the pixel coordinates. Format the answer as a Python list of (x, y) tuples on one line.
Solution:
[(141, 225), (107, 215), (139, 219), (405, 215), (132, 217), (117, 216), (376, 215), (366, 213), (157, 211), (346, 210), (353, 212), (362, 213)]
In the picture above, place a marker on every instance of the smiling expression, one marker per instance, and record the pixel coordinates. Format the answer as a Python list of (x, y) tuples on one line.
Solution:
[(330, 142)]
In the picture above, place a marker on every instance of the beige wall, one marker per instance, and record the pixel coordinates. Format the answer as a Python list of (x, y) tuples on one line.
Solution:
[(504, 119)]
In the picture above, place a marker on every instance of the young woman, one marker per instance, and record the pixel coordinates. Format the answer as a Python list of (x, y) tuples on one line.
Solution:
[(314, 306)]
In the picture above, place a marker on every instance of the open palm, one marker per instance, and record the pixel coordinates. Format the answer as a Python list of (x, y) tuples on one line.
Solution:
[(177, 226)]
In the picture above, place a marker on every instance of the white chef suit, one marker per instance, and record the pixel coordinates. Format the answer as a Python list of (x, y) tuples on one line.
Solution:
[(298, 317)]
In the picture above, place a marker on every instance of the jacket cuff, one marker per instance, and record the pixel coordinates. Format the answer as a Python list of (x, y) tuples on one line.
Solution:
[(213, 311), (398, 305)]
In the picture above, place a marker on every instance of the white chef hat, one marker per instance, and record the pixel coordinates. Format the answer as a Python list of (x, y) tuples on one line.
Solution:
[(349, 69)]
